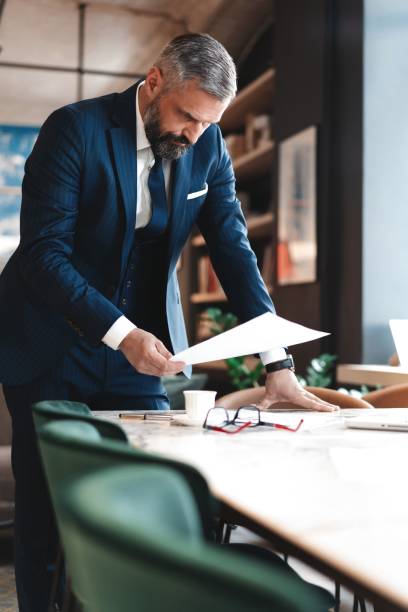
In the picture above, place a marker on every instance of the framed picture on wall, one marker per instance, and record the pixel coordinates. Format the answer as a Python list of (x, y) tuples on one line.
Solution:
[(297, 231), (16, 143)]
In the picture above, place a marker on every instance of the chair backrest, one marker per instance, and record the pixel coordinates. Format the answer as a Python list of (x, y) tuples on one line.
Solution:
[(135, 537), (55, 410), (254, 395), (72, 448), (395, 396), (337, 397)]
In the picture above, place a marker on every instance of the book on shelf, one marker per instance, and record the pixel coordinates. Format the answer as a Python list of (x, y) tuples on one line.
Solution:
[(207, 279)]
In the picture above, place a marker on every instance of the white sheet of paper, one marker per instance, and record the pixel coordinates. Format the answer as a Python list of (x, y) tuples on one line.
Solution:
[(263, 333)]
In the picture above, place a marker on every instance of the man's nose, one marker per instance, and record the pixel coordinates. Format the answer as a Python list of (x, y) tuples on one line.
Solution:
[(193, 133)]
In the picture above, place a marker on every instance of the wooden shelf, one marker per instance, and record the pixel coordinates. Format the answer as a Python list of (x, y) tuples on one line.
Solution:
[(255, 163), (258, 226), (214, 296), (204, 297), (221, 366), (255, 98)]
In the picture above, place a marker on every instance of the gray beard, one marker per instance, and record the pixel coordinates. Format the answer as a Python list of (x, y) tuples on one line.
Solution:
[(162, 145)]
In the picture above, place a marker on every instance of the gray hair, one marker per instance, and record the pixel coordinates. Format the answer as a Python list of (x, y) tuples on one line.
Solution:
[(202, 58)]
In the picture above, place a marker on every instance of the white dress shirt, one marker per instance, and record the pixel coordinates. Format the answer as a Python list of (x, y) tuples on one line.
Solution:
[(145, 161)]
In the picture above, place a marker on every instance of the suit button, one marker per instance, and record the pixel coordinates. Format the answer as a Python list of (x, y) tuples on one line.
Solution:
[(128, 283), (124, 301)]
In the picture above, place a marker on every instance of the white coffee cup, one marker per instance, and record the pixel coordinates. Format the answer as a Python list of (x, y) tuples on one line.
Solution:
[(198, 403)]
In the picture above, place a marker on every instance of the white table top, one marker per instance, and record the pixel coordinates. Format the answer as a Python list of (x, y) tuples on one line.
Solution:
[(338, 494), (366, 374)]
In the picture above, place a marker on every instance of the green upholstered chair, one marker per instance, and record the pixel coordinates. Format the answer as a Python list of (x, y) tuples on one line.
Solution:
[(56, 410), (136, 541), (72, 448)]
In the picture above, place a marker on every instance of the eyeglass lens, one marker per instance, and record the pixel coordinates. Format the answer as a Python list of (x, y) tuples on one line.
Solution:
[(217, 417), (247, 414)]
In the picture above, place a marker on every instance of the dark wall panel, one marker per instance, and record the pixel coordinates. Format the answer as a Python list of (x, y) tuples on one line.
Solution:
[(300, 63), (299, 52), (319, 47), (343, 306)]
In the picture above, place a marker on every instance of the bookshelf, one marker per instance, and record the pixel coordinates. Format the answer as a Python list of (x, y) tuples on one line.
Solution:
[(207, 297), (254, 98), (258, 226), (254, 163)]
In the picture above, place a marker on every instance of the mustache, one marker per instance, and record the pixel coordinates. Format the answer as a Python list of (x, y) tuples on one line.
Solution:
[(173, 138)]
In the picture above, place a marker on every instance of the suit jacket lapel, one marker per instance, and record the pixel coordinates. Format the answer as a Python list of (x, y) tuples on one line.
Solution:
[(123, 138), (180, 187)]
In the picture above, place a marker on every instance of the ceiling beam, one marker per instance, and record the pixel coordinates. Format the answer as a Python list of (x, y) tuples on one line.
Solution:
[(2, 5), (18, 65)]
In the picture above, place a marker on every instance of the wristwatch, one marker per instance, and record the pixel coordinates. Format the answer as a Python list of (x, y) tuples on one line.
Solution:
[(283, 364)]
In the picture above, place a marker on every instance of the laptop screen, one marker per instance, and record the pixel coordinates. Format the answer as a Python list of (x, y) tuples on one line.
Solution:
[(399, 330)]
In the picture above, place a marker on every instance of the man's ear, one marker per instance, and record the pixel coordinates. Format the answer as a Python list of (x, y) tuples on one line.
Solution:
[(154, 82)]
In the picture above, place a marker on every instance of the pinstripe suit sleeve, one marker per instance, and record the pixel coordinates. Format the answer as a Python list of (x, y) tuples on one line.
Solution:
[(49, 214), (223, 226)]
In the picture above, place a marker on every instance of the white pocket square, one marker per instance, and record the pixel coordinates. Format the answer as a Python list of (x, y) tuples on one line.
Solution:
[(197, 194)]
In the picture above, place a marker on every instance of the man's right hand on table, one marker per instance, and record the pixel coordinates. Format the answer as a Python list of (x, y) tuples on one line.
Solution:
[(148, 355)]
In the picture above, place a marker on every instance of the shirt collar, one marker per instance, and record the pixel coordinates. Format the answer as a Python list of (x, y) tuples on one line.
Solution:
[(142, 141)]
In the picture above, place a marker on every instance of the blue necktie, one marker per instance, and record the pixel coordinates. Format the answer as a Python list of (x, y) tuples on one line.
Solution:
[(160, 214)]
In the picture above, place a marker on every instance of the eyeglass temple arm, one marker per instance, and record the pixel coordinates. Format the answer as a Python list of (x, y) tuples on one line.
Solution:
[(277, 426)]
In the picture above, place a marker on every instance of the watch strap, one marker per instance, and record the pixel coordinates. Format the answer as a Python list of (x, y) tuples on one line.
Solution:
[(283, 364)]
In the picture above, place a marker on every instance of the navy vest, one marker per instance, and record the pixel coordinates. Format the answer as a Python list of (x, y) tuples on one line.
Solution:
[(142, 295)]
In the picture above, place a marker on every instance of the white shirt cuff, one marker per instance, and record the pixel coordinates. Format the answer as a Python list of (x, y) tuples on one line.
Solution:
[(119, 330), (273, 355)]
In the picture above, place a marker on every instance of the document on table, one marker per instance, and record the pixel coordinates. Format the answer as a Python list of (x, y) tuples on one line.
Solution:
[(268, 331)]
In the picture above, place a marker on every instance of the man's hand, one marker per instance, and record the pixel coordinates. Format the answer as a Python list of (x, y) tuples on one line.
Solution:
[(283, 386), (148, 355)]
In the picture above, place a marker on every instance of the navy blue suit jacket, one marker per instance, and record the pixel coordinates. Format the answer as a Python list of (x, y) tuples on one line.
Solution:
[(77, 228)]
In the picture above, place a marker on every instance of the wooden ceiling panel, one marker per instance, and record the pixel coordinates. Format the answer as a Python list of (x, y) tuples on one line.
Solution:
[(118, 40), (122, 35), (39, 32), (29, 96)]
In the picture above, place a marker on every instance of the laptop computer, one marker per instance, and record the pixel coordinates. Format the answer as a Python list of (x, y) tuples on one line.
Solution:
[(399, 331), (380, 422)]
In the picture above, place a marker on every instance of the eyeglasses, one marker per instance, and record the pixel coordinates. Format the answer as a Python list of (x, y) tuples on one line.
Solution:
[(218, 419)]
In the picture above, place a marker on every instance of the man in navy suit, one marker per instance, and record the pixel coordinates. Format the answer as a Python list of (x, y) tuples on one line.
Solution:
[(89, 302)]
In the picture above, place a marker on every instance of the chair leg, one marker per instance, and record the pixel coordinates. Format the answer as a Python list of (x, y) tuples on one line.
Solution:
[(362, 605), (59, 564), (337, 597), (68, 605), (227, 534), (219, 531)]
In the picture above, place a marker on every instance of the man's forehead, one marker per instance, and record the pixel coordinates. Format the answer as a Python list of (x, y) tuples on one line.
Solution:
[(203, 114), (199, 104)]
